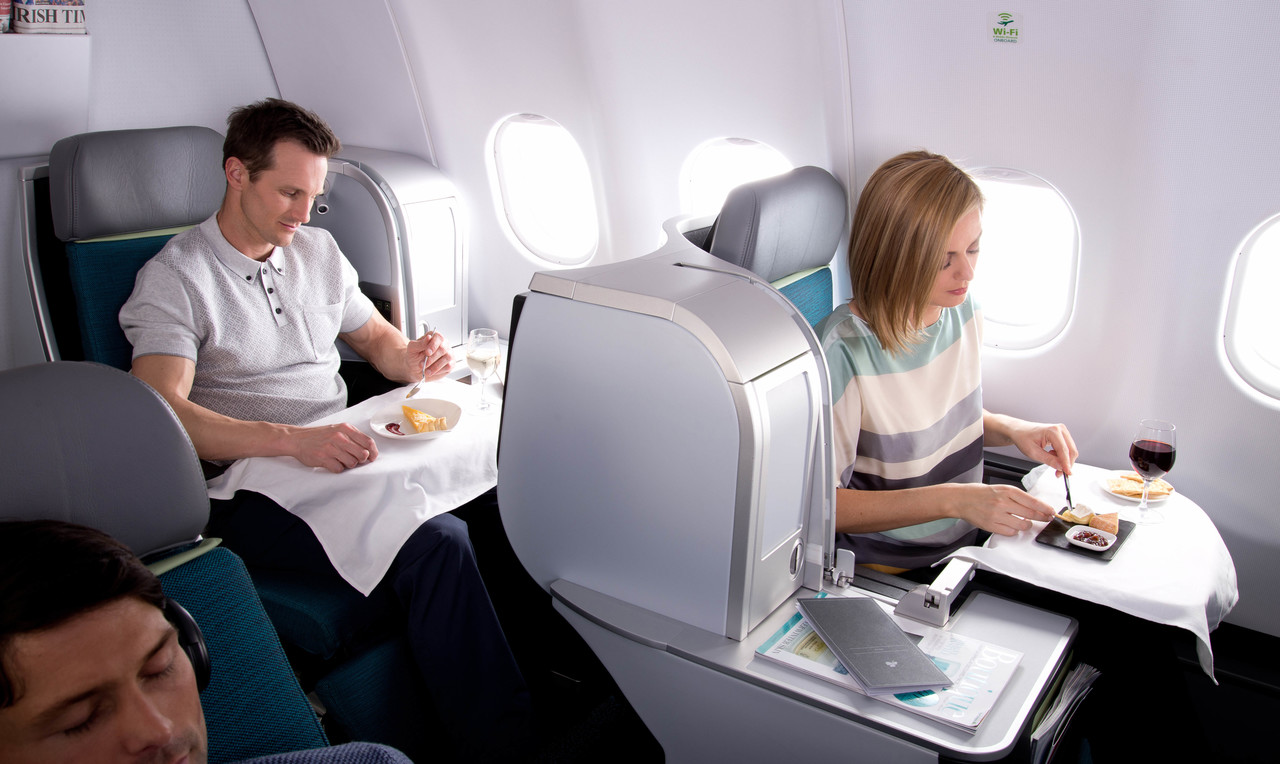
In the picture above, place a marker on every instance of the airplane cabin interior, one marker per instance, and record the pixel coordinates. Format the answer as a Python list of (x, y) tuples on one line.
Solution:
[(652, 205)]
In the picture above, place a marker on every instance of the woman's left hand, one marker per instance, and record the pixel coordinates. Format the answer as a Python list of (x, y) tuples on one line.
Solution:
[(1049, 444)]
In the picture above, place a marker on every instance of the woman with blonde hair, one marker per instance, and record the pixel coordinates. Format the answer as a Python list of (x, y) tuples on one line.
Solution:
[(909, 424)]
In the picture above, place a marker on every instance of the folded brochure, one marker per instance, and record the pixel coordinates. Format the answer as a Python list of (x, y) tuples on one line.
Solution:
[(874, 649), (978, 671)]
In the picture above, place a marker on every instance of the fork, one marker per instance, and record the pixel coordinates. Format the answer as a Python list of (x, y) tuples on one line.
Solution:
[(427, 332)]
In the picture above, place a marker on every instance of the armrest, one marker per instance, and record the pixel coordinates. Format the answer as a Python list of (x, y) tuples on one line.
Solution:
[(1000, 469)]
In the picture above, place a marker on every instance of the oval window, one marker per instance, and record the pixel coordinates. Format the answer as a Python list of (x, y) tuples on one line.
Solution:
[(718, 166), (544, 190), (1252, 344), (1026, 280)]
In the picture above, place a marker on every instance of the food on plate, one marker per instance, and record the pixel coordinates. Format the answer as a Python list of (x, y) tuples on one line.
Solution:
[(394, 428), (424, 422), (1081, 516), (1092, 539), (1109, 522), (1129, 484)]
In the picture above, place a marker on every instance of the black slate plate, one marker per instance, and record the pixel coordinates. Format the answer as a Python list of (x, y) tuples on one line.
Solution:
[(1055, 535)]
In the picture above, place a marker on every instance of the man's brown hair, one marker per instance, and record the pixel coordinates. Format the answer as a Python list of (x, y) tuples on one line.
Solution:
[(254, 130)]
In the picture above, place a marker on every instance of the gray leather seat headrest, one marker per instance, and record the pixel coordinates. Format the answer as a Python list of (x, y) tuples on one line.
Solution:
[(92, 445), (782, 225), (126, 181)]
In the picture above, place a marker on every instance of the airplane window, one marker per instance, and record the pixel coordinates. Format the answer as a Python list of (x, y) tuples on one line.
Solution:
[(1252, 345), (718, 166), (1026, 280), (544, 189)]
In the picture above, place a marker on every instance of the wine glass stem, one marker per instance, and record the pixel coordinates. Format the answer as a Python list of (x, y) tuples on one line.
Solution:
[(1146, 488), (480, 380)]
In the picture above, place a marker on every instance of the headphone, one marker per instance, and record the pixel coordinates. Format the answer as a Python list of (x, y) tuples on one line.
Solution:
[(190, 639)]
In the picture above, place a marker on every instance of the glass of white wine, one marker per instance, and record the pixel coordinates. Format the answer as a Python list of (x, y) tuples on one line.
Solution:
[(483, 354)]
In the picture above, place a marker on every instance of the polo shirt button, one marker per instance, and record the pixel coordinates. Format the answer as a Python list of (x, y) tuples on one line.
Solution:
[(264, 271), (248, 278), (271, 290), (279, 311)]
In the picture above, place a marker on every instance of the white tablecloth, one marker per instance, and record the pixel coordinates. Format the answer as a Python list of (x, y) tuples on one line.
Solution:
[(364, 515), (1178, 572)]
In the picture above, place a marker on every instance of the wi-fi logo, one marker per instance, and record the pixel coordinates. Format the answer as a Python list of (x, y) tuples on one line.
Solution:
[(1005, 18)]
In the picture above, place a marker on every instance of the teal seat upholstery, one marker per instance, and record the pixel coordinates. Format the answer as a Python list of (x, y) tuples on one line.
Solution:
[(786, 229), (115, 199), (102, 279), (810, 291), (91, 445), (251, 681)]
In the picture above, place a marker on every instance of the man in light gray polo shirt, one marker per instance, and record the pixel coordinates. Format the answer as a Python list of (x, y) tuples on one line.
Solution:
[(234, 323)]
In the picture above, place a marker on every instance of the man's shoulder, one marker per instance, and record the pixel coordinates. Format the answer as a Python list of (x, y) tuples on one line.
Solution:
[(177, 253)]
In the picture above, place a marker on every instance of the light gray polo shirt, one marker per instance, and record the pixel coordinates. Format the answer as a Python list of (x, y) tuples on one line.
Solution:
[(261, 334)]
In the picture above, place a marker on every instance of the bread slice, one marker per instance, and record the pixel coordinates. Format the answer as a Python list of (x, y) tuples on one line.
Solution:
[(1109, 522)]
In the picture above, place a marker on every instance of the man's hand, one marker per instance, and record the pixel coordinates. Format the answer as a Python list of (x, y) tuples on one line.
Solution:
[(395, 357), (429, 356), (335, 447)]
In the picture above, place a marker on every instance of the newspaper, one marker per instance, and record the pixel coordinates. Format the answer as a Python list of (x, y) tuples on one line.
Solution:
[(48, 17), (979, 671)]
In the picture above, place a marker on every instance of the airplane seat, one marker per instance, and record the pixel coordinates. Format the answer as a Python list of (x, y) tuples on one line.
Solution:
[(114, 199), (92, 445), (785, 229)]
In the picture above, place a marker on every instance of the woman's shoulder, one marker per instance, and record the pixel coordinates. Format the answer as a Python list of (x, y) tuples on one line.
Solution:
[(842, 323)]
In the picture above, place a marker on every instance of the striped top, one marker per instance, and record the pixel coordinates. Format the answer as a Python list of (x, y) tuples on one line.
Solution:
[(907, 420)]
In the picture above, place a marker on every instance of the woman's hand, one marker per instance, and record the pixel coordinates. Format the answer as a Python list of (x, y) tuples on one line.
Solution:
[(1002, 509), (1049, 444)]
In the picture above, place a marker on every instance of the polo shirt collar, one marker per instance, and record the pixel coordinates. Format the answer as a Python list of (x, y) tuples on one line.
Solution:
[(236, 261)]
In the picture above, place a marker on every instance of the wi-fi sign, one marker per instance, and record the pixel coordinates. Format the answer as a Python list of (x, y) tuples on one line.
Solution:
[(1006, 17)]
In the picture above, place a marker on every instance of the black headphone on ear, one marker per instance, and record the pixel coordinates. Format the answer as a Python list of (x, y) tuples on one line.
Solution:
[(190, 639)]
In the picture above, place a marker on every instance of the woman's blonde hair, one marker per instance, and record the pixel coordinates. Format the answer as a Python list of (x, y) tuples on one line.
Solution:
[(899, 239)]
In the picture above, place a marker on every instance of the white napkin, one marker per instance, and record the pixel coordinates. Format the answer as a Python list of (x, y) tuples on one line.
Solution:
[(1178, 572), (364, 515)]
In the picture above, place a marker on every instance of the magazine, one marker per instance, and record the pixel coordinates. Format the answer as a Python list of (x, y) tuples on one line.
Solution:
[(1048, 732), (978, 670)]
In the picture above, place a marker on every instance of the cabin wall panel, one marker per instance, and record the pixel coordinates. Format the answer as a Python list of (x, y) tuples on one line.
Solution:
[(153, 63), (638, 85), (1153, 120), (344, 61), (476, 64)]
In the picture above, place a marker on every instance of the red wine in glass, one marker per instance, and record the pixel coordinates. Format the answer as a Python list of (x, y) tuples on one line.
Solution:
[(1151, 458), (1152, 454)]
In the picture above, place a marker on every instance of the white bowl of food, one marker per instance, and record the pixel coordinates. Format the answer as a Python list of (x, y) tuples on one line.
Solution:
[(1092, 539)]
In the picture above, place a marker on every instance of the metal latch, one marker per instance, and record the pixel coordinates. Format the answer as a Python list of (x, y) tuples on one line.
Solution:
[(931, 603), (841, 574)]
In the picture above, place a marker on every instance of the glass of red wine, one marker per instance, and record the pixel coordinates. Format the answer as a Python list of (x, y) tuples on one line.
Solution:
[(1151, 454)]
